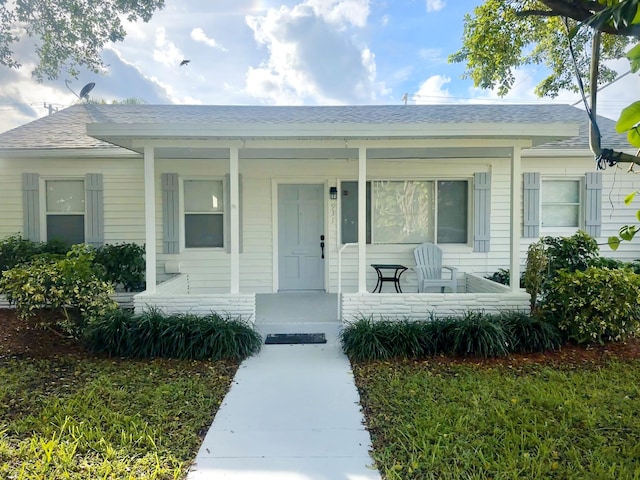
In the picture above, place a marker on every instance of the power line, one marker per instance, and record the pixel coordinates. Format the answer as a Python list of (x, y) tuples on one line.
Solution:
[(606, 85)]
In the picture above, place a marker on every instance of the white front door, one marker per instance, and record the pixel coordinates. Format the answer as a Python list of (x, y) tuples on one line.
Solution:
[(300, 237)]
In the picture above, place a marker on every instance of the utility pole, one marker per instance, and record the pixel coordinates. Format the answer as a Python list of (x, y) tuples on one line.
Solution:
[(50, 108)]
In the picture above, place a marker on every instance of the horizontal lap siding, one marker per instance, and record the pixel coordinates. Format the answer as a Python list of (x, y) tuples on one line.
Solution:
[(617, 184), (208, 269), (123, 193), (124, 211)]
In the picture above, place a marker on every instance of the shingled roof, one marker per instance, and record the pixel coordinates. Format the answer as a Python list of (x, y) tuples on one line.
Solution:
[(67, 129)]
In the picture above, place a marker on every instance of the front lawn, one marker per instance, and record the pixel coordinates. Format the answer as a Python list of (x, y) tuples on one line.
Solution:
[(68, 414), (440, 419)]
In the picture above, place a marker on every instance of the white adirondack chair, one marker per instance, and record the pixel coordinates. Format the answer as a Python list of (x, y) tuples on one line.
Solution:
[(429, 269)]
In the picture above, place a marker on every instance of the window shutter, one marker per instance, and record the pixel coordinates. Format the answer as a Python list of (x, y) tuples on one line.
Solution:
[(170, 213), (531, 205), (227, 212), (593, 204), (31, 206), (94, 224), (482, 211)]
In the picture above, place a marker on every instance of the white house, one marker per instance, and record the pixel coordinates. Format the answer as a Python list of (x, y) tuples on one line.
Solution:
[(234, 201)]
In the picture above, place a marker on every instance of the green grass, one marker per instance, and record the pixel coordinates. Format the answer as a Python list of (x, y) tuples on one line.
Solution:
[(446, 421), (98, 418)]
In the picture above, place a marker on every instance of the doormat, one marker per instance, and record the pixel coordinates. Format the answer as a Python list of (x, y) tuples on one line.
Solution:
[(294, 338)]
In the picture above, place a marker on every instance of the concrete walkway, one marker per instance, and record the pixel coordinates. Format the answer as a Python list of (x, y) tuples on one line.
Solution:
[(292, 413)]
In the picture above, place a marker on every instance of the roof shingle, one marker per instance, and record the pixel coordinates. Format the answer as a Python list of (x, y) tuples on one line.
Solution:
[(66, 129)]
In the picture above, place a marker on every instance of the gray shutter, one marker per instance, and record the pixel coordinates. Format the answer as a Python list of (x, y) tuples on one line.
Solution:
[(31, 206), (94, 222), (482, 211), (531, 205), (227, 212), (593, 204), (170, 213)]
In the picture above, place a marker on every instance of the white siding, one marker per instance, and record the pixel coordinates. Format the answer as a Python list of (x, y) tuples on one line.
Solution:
[(209, 270), (123, 193)]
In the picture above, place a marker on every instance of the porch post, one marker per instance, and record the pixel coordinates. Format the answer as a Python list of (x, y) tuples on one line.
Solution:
[(362, 219), (516, 157), (150, 218), (235, 219)]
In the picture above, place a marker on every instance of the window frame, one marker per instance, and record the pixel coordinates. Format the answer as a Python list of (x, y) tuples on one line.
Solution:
[(547, 230), (435, 181), (183, 213), (42, 201)]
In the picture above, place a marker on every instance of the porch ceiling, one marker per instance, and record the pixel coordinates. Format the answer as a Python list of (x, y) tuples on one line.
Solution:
[(329, 153)]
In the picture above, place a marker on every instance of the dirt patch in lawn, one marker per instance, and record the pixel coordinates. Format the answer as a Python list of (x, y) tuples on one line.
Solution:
[(569, 355), (31, 339)]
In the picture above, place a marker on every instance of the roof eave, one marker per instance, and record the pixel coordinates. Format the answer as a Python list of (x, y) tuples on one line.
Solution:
[(113, 152), (538, 133)]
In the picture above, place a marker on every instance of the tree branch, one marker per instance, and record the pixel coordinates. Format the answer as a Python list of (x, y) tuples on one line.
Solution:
[(581, 11)]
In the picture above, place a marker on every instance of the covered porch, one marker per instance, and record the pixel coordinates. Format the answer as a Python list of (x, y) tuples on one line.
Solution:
[(270, 156)]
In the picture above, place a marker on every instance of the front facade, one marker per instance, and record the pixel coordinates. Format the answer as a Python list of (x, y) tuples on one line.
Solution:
[(236, 201)]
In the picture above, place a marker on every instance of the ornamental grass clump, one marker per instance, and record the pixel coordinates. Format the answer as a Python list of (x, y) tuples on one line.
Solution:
[(529, 333), (154, 334), (475, 334), (478, 334)]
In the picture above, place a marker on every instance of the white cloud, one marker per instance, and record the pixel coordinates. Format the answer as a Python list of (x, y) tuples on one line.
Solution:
[(354, 12), (432, 55), (435, 5), (314, 55), (431, 91), (166, 52), (198, 35)]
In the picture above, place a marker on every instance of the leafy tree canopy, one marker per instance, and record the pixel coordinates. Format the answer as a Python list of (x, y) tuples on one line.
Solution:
[(503, 35), (68, 34)]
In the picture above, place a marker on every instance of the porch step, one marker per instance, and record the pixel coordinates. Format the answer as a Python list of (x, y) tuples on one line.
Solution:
[(295, 338), (329, 330)]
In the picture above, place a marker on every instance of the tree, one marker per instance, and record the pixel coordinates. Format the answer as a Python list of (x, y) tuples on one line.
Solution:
[(503, 35), (506, 34), (69, 34)]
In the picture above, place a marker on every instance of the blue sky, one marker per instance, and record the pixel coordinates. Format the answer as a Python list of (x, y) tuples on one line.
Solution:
[(312, 52)]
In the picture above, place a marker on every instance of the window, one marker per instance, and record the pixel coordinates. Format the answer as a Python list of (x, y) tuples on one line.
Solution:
[(203, 213), (65, 211), (560, 203), (408, 211)]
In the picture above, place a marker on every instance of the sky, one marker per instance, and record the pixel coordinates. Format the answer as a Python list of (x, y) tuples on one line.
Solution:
[(299, 52)]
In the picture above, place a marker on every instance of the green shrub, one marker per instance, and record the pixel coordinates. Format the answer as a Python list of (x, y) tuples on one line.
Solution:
[(153, 334), (71, 285), (124, 265), (528, 334), (597, 304), (570, 253), (15, 250), (478, 334), (503, 276), (535, 273)]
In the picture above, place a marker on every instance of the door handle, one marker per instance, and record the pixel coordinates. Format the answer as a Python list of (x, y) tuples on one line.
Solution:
[(322, 246)]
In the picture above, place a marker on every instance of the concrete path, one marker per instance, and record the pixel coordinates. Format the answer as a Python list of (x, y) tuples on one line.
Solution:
[(292, 413)]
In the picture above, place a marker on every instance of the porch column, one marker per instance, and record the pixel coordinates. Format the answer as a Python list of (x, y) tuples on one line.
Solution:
[(150, 218), (362, 220), (516, 157), (235, 219)]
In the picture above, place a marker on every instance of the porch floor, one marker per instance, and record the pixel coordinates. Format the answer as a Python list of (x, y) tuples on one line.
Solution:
[(296, 307)]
